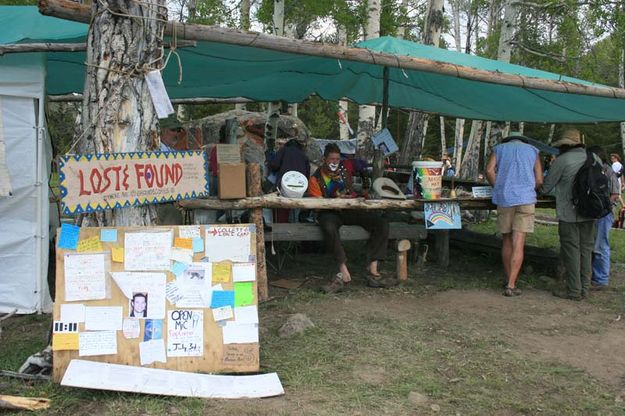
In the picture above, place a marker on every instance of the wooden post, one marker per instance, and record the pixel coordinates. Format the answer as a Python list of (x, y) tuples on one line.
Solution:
[(378, 164), (402, 259), (441, 247), (256, 216)]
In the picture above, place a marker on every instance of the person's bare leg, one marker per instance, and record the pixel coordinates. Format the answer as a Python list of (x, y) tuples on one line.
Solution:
[(516, 259), (372, 268), (506, 253), (345, 273)]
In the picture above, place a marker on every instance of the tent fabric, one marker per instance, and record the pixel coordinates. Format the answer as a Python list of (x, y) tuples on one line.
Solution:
[(219, 70), (24, 227)]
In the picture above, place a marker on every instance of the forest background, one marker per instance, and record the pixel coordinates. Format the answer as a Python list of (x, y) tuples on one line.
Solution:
[(578, 38)]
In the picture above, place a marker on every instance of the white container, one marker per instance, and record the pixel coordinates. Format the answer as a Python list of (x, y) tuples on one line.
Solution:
[(293, 184), (428, 179)]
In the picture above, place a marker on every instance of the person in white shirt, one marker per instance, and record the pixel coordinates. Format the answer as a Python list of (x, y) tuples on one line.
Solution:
[(617, 167)]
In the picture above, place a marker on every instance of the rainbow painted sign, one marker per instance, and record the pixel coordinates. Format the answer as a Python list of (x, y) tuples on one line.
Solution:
[(96, 182), (442, 216)]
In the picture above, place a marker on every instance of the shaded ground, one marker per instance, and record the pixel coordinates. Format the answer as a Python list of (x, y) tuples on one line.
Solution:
[(446, 342)]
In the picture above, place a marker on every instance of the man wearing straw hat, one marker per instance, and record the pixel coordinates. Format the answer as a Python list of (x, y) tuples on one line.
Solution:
[(577, 233), (515, 172)]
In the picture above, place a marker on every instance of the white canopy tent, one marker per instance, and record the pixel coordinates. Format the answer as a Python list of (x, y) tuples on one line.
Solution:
[(24, 214)]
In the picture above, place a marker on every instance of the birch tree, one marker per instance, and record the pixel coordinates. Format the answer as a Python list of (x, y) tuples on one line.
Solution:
[(343, 106), (125, 41), (244, 23), (417, 121), (366, 113)]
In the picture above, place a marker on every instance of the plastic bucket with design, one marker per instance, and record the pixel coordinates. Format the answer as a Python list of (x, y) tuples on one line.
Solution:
[(427, 179)]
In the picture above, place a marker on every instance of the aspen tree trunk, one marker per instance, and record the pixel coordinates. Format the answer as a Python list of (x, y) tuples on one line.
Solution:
[(366, 113), (245, 25), (402, 31), (552, 130), (443, 138), (459, 130), (278, 17), (621, 84), (343, 104), (117, 110), (412, 144)]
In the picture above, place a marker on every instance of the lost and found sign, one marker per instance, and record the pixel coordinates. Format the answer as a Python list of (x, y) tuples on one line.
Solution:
[(92, 183)]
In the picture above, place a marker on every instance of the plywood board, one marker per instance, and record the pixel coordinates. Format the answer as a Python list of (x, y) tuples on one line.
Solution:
[(216, 357)]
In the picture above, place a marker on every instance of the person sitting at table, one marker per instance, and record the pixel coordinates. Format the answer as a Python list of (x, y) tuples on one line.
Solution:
[(332, 180)]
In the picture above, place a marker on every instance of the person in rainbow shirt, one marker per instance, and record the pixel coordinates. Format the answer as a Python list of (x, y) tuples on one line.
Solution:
[(333, 180)]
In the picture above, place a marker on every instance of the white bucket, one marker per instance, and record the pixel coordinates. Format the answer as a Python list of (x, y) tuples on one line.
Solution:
[(293, 184), (428, 179)]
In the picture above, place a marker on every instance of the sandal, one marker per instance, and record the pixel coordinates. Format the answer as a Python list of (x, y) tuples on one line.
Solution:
[(512, 291), (381, 281), (336, 285)]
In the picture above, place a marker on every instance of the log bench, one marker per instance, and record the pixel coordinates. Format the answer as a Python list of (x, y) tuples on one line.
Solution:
[(312, 232)]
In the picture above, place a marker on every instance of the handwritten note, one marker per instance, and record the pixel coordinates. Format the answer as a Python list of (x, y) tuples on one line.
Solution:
[(223, 313), (185, 333), (103, 318), (198, 245), (196, 287), (228, 243), (173, 292), (189, 231), (91, 244), (97, 343), (182, 255), (243, 272), (222, 298), (73, 312), (65, 341), (243, 294), (131, 328), (235, 333), (85, 277), (158, 93), (152, 351), (147, 251), (108, 235), (69, 236), (222, 272), (246, 314), (117, 253), (240, 355), (183, 243)]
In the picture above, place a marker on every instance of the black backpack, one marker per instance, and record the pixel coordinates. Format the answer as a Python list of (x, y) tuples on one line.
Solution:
[(591, 189)]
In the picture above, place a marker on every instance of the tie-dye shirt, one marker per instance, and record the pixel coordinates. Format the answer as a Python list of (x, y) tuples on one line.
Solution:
[(333, 185)]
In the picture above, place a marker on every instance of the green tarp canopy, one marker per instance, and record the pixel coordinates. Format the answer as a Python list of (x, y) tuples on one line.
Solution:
[(220, 70)]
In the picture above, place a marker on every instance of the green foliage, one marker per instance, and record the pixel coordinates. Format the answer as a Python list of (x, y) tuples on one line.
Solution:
[(213, 12)]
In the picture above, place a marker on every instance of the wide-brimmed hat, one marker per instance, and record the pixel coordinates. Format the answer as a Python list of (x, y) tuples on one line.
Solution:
[(386, 188), (570, 137)]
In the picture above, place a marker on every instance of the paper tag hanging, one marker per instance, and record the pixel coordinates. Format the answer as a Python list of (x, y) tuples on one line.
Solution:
[(162, 105)]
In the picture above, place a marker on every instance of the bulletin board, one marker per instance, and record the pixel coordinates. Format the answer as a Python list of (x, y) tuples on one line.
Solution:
[(171, 297)]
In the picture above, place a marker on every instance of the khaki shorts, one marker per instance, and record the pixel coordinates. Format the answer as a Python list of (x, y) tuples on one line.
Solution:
[(518, 218)]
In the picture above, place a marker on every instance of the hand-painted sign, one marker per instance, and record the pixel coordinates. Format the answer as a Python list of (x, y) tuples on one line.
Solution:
[(91, 183), (442, 215)]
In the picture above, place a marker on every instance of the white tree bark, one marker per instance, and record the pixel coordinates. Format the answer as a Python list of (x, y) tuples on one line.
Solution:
[(402, 31), (117, 112), (366, 113), (278, 17), (455, 9), (443, 138), (245, 25), (508, 27), (621, 84), (344, 133), (552, 130), (458, 144), (414, 138)]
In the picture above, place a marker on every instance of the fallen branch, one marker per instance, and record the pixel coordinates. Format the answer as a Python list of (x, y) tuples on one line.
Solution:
[(23, 403)]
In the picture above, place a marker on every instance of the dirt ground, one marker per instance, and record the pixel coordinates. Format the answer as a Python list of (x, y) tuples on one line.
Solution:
[(446, 342)]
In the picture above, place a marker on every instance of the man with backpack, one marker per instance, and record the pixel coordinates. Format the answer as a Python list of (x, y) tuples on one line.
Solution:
[(574, 175)]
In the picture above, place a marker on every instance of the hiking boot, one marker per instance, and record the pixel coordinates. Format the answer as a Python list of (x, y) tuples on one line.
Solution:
[(512, 291), (381, 282), (596, 286), (336, 285), (563, 294)]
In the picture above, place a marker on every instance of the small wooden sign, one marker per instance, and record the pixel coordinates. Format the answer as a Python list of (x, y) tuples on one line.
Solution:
[(91, 183)]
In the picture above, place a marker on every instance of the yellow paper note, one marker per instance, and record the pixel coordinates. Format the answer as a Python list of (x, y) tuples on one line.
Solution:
[(222, 272), (65, 341), (92, 244), (183, 243), (117, 254)]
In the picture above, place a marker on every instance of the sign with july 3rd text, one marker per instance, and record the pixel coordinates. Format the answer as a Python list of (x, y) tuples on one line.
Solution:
[(91, 183)]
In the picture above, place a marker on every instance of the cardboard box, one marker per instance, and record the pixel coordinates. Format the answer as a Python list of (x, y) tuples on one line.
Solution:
[(231, 180)]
